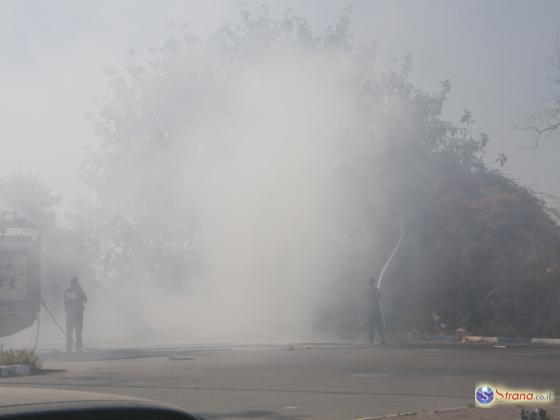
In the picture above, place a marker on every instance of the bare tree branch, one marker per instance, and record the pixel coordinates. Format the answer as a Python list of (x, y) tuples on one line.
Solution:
[(547, 120)]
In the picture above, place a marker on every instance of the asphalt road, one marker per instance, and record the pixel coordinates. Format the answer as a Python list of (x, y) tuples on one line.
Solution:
[(305, 381)]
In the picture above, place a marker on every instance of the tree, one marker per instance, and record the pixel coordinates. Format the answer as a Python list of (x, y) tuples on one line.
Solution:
[(284, 160), (546, 121), (29, 196)]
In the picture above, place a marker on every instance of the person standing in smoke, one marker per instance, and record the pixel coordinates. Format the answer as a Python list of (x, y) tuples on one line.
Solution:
[(375, 314), (74, 303)]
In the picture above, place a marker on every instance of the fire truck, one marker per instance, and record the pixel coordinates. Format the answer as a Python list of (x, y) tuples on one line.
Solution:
[(20, 273)]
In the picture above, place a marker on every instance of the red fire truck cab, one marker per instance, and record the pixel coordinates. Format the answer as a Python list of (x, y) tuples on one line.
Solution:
[(20, 273)]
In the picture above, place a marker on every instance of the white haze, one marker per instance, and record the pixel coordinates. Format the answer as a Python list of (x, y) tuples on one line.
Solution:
[(260, 172), (259, 166)]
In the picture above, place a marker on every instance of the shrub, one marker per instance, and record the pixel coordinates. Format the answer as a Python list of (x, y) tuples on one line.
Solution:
[(20, 357)]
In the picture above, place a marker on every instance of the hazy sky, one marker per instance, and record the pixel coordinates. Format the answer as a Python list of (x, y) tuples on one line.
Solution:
[(53, 56)]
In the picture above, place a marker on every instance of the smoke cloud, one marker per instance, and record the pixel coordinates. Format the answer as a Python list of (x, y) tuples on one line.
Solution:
[(254, 159)]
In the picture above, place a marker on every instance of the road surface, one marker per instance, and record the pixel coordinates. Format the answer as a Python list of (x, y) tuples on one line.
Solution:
[(289, 382)]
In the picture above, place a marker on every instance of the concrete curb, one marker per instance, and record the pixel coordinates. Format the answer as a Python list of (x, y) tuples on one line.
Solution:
[(492, 340), (415, 413), (477, 339), (14, 370), (466, 412), (387, 416), (546, 341)]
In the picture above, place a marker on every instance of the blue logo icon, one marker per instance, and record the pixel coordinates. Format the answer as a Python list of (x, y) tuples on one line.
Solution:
[(484, 395)]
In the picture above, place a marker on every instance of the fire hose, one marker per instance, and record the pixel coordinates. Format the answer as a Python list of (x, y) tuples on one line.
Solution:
[(60, 327)]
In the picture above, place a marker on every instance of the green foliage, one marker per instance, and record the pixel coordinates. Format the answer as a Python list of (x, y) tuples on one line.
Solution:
[(20, 357), (494, 261)]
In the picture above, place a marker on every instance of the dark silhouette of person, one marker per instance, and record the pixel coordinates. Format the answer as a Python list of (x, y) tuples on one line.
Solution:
[(375, 314), (74, 303)]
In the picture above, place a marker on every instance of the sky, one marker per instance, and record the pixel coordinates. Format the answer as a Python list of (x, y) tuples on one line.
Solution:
[(54, 56)]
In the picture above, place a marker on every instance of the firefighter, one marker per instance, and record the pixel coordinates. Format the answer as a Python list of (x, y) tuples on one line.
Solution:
[(375, 314), (74, 303)]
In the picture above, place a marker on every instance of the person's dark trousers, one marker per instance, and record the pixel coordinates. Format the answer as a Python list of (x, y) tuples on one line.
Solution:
[(375, 323), (74, 323)]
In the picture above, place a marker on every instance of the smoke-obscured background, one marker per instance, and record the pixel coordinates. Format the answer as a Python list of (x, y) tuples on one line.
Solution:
[(241, 177)]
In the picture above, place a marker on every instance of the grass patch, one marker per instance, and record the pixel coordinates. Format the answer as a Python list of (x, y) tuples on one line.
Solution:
[(20, 357)]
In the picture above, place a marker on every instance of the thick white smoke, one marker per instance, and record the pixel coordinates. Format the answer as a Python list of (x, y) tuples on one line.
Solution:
[(267, 198), (251, 167)]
